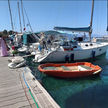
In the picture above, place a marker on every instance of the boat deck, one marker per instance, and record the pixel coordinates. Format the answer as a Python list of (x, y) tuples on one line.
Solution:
[(15, 94)]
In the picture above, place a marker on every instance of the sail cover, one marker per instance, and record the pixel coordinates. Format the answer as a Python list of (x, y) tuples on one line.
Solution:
[(84, 29)]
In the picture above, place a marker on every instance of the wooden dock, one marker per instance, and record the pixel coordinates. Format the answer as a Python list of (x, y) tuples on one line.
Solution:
[(14, 92)]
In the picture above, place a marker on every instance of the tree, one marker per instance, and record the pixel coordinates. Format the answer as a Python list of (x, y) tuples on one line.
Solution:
[(1, 34), (5, 32), (10, 32)]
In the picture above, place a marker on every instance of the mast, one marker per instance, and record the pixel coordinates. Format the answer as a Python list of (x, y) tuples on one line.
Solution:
[(23, 14), (107, 17), (19, 17), (10, 15), (91, 19)]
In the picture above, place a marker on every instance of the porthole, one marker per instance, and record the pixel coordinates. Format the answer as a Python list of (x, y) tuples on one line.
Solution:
[(91, 44), (86, 44), (100, 49)]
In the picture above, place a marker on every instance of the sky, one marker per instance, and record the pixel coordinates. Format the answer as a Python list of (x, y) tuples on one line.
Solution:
[(46, 14)]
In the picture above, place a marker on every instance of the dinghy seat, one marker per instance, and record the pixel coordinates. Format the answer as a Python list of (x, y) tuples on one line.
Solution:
[(68, 68), (50, 68), (73, 68), (60, 68), (83, 67), (65, 68)]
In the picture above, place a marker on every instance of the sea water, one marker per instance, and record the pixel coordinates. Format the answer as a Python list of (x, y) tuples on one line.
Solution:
[(87, 92)]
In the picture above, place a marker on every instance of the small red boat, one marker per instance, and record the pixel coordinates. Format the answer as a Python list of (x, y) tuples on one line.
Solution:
[(70, 70)]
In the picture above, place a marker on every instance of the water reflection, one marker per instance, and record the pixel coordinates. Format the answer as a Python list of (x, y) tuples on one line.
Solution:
[(62, 89), (92, 97)]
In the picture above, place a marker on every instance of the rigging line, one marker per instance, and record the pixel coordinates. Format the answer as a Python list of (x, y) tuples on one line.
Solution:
[(19, 16), (22, 13), (28, 20), (30, 25), (15, 18), (10, 15)]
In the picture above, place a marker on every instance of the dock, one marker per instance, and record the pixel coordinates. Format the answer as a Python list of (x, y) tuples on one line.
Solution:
[(20, 89)]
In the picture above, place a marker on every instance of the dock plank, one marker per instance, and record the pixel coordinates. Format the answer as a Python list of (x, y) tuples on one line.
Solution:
[(12, 93), (42, 97)]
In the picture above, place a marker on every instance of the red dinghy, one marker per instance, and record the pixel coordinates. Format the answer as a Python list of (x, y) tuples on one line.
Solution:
[(70, 70)]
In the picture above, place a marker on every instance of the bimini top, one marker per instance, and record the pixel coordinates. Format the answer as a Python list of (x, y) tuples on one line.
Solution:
[(84, 29)]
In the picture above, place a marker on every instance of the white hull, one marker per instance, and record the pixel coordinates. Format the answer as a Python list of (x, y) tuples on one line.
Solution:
[(81, 54), (17, 62)]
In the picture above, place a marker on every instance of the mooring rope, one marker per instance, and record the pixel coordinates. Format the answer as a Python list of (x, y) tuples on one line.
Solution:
[(30, 90), (24, 89), (25, 81)]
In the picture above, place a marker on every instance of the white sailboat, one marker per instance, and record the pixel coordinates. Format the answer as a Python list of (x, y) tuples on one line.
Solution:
[(26, 37), (76, 51)]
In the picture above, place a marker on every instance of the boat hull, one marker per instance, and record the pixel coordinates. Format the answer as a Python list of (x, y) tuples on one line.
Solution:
[(60, 56), (69, 73)]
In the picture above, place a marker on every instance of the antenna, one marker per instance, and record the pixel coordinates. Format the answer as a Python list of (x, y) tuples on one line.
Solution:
[(10, 15)]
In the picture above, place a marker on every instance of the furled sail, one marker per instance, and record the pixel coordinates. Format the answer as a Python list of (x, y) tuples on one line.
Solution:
[(84, 29)]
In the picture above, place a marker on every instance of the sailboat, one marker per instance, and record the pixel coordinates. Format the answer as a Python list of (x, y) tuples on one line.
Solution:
[(77, 51), (22, 39)]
